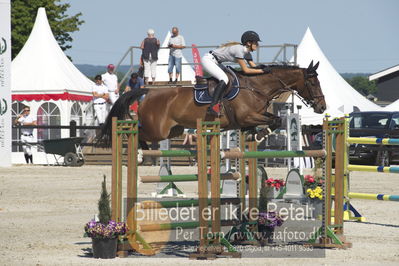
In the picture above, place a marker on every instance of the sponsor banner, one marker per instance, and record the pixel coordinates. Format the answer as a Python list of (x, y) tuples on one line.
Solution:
[(5, 85)]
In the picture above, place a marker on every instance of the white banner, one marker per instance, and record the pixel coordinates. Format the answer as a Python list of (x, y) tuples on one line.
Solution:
[(5, 85)]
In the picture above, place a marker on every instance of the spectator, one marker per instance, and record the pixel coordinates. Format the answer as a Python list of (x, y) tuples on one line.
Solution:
[(176, 44), (189, 137), (110, 80), (26, 119), (150, 47), (140, 72), (134, 83), (100, 97)]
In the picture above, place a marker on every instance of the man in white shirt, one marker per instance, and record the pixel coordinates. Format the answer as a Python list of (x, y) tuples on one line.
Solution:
[(100, 97), (26, 119), (110, 80), (176, 44)]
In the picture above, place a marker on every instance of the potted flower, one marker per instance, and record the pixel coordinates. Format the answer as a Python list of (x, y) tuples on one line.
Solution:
[(314, 191), (104, 232), (267, 222), (273, 186)]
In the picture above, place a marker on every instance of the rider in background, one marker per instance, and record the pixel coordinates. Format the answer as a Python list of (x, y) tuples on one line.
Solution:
[(231, 52)]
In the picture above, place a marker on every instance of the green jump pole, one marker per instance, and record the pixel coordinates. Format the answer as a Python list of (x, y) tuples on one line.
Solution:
[(182, 225), (367, 196), (183, 203), (383, 141), (368, 168), (185, 178), (169, 153), (272, 154)]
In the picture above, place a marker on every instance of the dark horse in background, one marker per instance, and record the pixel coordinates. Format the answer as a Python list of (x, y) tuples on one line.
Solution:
[(165, 112)]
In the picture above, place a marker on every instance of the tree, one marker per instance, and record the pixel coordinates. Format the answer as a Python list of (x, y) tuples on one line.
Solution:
[(23, 15), (362, 85)]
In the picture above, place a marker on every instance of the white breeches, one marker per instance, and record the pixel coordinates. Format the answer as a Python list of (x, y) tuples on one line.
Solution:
[(101, 112), (211, 66), (150, 69), (27, 148)]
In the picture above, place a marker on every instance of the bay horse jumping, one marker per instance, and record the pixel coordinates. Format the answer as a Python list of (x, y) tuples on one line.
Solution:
[(165, 112)]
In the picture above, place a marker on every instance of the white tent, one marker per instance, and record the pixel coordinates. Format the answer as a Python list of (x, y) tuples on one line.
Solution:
[(42, 73), (46, 80), (340, 97), (187, 72), (392, 107)]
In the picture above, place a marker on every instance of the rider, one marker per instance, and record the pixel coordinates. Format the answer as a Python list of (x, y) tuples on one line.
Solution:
[(231, 52)]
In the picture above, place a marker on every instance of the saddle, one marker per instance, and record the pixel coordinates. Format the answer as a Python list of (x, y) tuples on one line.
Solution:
[(204, 88)]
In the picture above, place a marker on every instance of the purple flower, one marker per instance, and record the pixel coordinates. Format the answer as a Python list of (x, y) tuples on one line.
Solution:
[(270, 219), (98, 230)]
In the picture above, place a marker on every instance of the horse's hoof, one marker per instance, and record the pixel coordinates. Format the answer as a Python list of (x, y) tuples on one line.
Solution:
[(140, 156), (259, 140)]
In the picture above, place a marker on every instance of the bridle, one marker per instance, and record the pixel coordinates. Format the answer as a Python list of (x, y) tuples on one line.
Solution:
[(289, 88)]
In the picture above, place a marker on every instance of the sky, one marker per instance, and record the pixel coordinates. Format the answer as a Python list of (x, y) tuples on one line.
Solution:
[(358, 36)]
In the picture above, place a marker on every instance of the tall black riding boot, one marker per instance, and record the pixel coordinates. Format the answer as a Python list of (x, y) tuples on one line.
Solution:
[(214, 108), (31, 159), (26, 158)]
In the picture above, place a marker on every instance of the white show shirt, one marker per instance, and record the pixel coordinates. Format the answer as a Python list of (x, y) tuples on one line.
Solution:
[(27, 119), (231, 53), (110, 81), (99, 89)]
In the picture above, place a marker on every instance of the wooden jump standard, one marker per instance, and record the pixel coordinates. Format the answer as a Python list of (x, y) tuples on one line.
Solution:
[(331, 233), (211, 243), (350, 212)]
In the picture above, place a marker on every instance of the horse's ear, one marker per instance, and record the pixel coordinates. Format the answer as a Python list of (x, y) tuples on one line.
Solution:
[(316, 66), (310, 66)]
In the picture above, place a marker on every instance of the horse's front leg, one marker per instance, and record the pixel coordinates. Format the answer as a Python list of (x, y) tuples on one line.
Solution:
[(256, 119)]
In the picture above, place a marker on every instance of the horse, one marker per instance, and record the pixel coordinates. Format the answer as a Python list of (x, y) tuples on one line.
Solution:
[(165, 112)]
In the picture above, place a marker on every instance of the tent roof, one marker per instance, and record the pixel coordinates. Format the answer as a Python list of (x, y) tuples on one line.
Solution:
[(340, 97), (392, 107), (384, 72), (163, 58), (41, 70)]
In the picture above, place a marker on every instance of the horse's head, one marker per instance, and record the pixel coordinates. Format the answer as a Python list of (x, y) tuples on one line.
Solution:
[(312, 92)]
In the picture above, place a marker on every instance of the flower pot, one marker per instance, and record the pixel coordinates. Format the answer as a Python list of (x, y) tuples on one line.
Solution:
[(317, 206), (265, 233), (104, 248)]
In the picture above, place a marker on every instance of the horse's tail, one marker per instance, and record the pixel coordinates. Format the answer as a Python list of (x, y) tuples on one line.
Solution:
[(120, 109)]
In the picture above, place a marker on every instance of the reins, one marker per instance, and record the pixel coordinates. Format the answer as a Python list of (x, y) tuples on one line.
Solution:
[(285, 88)]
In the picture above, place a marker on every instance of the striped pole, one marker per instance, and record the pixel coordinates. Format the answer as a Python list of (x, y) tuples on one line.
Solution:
[(185, 178), (368, 168), (272, 154), (383, 141), (353, 195)]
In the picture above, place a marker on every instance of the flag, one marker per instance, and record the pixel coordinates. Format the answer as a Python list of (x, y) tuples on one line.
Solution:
[(197, 61)]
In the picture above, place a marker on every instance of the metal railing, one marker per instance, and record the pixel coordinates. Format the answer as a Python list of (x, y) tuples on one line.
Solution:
[(283, 51)]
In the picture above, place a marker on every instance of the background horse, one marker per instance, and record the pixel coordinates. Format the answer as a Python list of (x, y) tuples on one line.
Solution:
[(165, 112)]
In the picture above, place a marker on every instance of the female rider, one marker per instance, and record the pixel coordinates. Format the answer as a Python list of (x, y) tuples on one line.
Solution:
[(231, 52)]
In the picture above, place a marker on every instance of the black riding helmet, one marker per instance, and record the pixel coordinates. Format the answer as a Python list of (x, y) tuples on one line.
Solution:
[(250, 36)]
